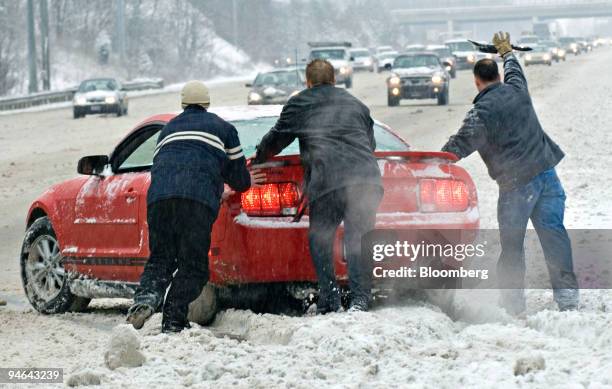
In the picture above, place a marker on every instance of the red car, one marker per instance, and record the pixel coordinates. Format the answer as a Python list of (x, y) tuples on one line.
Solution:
[(87, 237)]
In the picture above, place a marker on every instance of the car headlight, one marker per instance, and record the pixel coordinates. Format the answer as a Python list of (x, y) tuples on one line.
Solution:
[(343, 70), (110, 100), (395, 80), (489, 56), (574, 46), (448, 68), (471, 58), (555, 50), (367, 62), (546, 57), (528, 57), (254, 96), (80, 100), (295, 92), (561, 53), (436, 79)]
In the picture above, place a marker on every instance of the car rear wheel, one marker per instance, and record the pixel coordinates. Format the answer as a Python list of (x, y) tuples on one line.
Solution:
[(76, 114), (203, 309), (349, 83), (42, 272)]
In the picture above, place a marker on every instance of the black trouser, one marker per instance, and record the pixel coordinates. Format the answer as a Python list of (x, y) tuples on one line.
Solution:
[(179, 240), (357, 206)]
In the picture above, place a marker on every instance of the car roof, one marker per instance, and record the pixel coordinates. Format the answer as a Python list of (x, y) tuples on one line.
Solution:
[(435, 47), (100, 79), (456, 40), (286, 69), (418, 53), (329, 48)]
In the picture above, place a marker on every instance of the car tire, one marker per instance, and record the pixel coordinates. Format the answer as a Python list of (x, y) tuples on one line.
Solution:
[(349, 83), (203, 309), (443, 98), (392, 101), (453, 74), (76, 114), (45, 282), (119, 112)]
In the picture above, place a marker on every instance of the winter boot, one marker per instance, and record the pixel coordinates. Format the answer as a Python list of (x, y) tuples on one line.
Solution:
[(138, 314)]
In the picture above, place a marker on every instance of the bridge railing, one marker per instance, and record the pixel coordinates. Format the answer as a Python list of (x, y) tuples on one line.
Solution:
[(43, 98)]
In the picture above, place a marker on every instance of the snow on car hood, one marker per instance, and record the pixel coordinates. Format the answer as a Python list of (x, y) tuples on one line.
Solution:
[(463, 53), (421, 70), (337, 63)]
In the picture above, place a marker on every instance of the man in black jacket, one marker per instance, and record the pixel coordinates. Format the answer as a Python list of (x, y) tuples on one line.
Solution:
[(504, 128), (197, 152), (342, 178)]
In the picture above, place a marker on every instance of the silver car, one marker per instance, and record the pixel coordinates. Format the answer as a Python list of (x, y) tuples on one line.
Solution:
[(100, 95)]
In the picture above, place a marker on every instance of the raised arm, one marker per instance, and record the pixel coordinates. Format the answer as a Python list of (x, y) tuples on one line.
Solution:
[(513, 73)]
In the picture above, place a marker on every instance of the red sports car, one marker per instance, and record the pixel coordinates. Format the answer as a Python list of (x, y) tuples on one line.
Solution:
[(87, 237)]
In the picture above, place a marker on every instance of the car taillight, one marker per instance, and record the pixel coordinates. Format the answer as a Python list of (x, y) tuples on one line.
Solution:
[(443, 195), (271, 200)]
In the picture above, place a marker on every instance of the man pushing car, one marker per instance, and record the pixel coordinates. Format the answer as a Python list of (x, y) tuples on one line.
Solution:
[(342, 178), (197, 152), (504, 128)]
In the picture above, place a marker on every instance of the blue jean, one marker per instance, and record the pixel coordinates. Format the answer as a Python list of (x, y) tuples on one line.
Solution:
[(543, 201)]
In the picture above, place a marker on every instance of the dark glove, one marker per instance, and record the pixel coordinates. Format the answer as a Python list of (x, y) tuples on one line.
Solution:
[(501, 41)]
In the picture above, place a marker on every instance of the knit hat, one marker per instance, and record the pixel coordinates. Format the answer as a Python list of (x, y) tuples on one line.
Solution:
[(195, 92)]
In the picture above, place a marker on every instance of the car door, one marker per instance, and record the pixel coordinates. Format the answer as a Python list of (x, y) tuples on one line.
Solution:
[(110, 210)]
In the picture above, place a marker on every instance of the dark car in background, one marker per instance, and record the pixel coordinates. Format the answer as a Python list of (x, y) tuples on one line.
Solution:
[(276, 86), (418, 76), (99, 95), (570, 44)]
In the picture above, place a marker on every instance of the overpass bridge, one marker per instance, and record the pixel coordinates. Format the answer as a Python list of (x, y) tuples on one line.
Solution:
[(516, 10)]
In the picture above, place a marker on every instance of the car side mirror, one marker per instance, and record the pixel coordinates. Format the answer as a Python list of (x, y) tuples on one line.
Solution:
[(388, 66), (248, 85), (352, 59), (92, 165)]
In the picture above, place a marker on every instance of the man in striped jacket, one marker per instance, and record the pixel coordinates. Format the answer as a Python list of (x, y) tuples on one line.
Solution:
[(197, 152)]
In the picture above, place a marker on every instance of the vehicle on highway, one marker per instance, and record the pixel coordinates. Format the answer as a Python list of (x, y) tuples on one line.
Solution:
[(276, 86), (385, 60), (570, 44), (414, 47), (585, 45), (528, 40), (337, 53), (384, 49), (540, 55), (99, 95), (418, 76), (446, 56), (362, 59), (465, 53), (87, 237), (558, 53)]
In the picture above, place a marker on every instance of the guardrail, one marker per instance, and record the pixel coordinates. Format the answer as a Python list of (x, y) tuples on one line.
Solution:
[(43, 98)]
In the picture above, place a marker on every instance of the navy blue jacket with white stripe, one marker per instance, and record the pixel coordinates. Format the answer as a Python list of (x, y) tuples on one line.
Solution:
[(196, 153)]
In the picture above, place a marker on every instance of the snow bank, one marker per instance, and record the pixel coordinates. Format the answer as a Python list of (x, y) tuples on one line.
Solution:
[(124, 348)]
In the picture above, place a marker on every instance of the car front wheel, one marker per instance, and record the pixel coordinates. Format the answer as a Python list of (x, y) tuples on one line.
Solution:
[(443, 98), (349, 83), (392, 101), (42, 272)]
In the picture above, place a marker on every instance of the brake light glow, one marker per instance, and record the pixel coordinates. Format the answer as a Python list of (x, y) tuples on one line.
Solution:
[(443, 195), (271, 200)]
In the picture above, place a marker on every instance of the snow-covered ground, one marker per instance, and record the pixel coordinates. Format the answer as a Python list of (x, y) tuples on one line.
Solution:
[(412, 344)]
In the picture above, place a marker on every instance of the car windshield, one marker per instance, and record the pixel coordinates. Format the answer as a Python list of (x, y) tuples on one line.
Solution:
[(94, 85), (567, 40), (415, 61), (251, 132), (289, 77), (327, 54), (360, 53), (460, 46), (443, 52), (528, 39)]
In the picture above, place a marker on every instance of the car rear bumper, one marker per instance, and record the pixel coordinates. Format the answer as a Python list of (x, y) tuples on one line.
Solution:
[(275, 249)]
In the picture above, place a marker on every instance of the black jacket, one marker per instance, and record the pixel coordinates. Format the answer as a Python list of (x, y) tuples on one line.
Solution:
[(336, 138), (504, 128), (196, 153)]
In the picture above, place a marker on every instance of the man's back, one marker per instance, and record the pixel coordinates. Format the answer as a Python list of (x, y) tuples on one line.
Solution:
[(336, 138), (505, 130)]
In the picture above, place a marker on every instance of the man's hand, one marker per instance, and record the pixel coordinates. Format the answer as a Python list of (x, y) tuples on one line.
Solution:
[(257, 177), (501, 41), (227, 194)]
